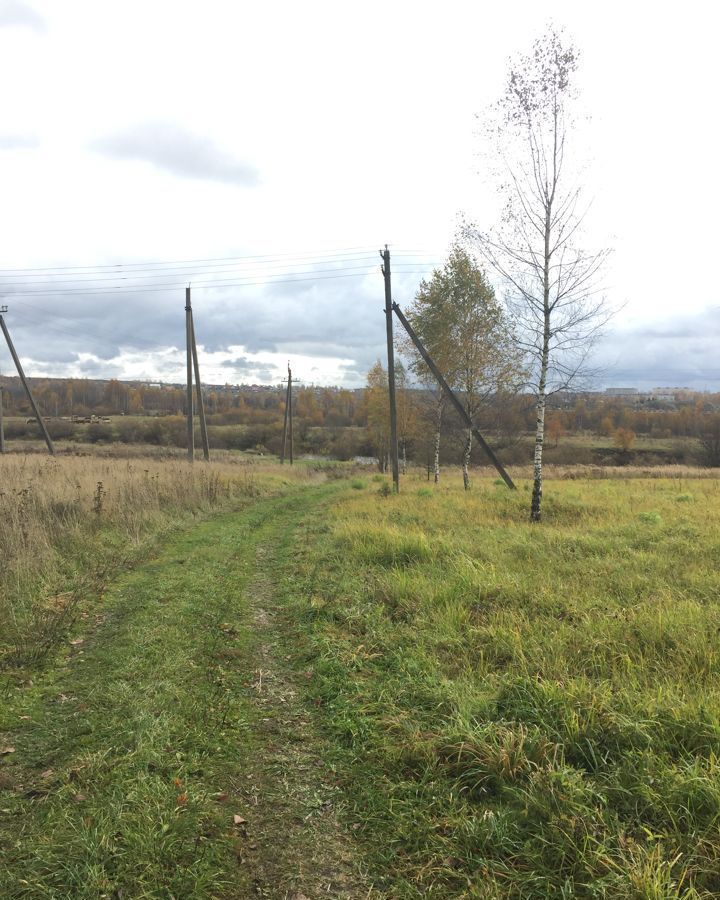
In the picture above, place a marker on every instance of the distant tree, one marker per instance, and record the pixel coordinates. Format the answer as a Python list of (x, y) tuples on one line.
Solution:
[(624, 439), (459, 320), (378, 413), (407, 413), (607, 426), (709, 439), (556, 429), (308, 408), (551, 281), (580, 414)]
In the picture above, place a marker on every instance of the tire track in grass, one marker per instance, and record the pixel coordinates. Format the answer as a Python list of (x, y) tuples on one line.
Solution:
[(167, 754)]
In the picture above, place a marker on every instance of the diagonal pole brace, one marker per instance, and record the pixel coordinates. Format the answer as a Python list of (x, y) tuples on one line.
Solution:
[(451, 396)]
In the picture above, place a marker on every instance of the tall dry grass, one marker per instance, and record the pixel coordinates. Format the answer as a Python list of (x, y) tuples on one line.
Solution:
[(66, 523)]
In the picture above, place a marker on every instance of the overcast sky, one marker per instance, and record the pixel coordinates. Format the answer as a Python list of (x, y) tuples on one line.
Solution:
[(264, 152)]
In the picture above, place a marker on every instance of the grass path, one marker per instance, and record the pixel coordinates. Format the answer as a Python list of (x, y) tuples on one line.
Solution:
[(167, 753)]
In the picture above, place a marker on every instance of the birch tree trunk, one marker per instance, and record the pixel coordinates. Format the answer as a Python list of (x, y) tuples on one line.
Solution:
[(536, 502), (404, 458), (438, 425), (466, 461), (535, 505)]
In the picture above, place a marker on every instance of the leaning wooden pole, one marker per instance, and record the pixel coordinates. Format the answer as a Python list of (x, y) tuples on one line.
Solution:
[(198, 391), (189, 395), (385, 254), (16, 360), (451, 396), (2, 424)]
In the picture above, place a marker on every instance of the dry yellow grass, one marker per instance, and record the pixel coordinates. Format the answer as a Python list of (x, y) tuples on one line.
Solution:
[(66, 522)]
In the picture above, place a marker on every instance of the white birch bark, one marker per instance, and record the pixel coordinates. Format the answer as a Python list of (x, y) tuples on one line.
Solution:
[(438, 425), (466, 460)]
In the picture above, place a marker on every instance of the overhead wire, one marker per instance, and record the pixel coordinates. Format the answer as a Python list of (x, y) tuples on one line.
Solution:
[(70, 292), (268, 258), (169, 274), (139, 277)]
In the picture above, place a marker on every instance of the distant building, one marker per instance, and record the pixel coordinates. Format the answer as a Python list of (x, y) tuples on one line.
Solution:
[(669, 394), (621, 392)]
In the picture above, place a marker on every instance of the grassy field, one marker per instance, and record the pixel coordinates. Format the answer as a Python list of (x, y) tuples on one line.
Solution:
[(165, 748), (68, 523), (525, 711), (424, 694)]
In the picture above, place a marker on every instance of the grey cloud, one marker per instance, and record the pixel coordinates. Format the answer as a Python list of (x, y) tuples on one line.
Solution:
[(16, 14), (180, 152), (340, 318), (98, 368), (18, 142), (241, 363), (680, 352)]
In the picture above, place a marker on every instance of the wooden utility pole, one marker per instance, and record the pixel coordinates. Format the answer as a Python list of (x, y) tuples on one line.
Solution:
[(385, 254), (189, 397), (287, 437), (285, 420), (198, 390), (16, 360), (451, 396), (2, 424), (290, 414)]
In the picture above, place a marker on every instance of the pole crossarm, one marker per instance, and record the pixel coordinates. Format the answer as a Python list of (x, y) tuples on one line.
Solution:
[(451, 396)]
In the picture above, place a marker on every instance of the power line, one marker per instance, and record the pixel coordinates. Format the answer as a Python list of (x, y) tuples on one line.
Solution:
[(219, 283), (138, 277), (119, 272), (287, 257)]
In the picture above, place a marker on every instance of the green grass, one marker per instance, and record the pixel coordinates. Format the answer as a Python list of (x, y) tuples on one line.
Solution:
[(508, 710), (133, 751), (524, 711)]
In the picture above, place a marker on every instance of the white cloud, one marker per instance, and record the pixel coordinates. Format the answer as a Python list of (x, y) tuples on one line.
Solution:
[(361, 120), (16, 14)]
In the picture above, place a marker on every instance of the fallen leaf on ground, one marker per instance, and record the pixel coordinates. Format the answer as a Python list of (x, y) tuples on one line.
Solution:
[(5, 750), (46, 774), (181, 799), (77, 641), (220, 798), (238, 820)]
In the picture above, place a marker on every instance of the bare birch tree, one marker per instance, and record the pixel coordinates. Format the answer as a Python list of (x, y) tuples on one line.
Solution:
[(552, 283)]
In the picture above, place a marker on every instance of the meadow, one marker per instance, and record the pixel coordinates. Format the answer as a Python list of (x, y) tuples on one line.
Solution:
[(525, 711), (507, 710), (68, 523)]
